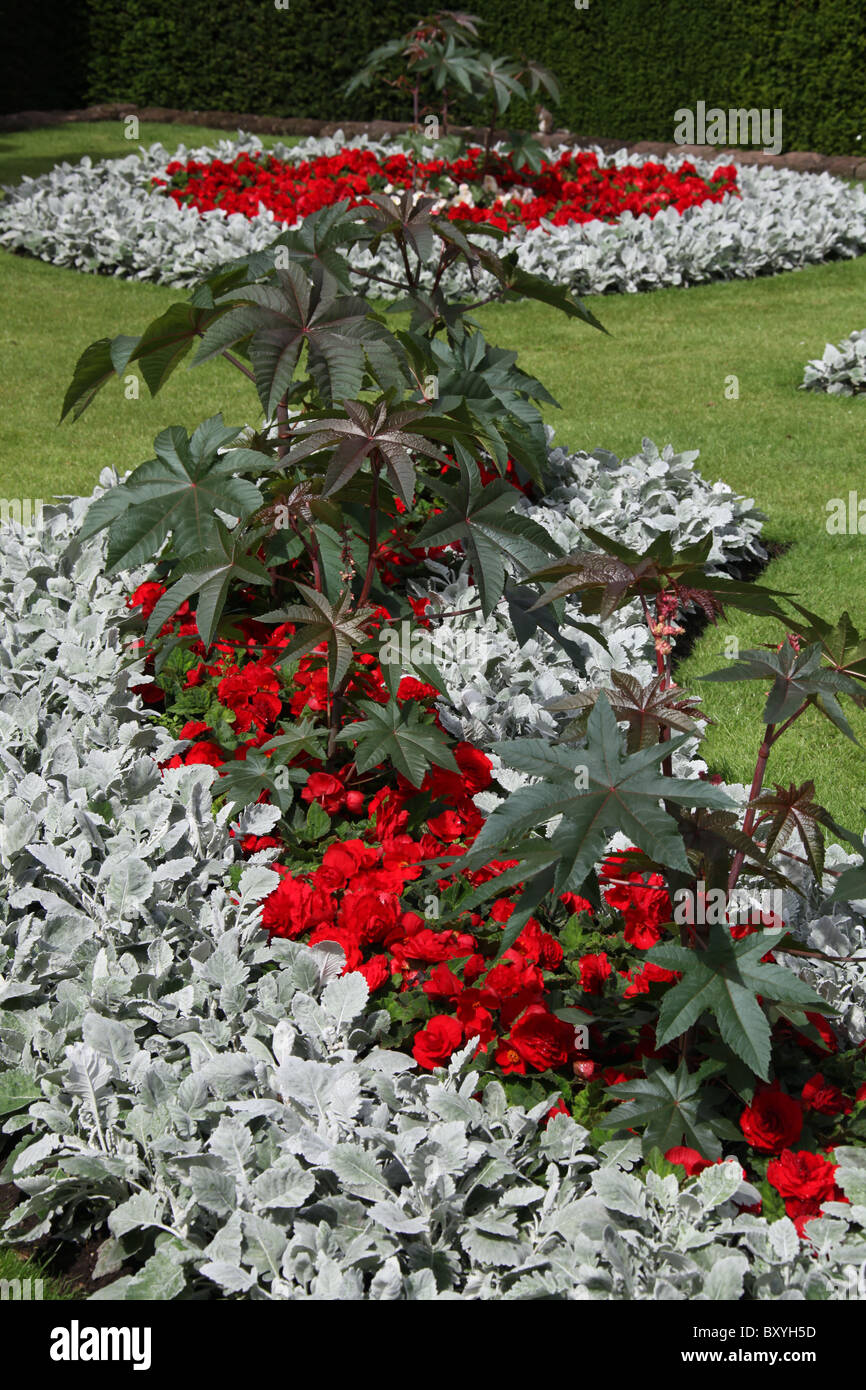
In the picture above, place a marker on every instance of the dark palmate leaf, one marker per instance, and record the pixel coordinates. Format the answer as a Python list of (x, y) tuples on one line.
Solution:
[(321, 621), (648, 709), (526, 620), (363, 434), (320, 241), (595, 791), (786, 814), (303, 737), (618, 574), (711, 839), (243, 782), (177, 494), (484, 520), (725, 979), (277, 320), (523, 284), (672, 1108), (404, 736), (211, 576), (408, 219)]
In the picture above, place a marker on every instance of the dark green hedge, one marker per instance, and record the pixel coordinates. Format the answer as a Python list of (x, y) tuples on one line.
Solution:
[(625, 65), (43, 54)]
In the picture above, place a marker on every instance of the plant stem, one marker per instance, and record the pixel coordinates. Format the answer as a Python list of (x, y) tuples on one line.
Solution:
[(240, 366), (372, 536), (283, 433), (754, 792), (381, 279), (401, 241), (771, 736)]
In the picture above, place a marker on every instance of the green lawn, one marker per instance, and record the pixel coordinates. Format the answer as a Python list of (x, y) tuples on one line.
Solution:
[(32, 152), (661, 373), (14, 1266)]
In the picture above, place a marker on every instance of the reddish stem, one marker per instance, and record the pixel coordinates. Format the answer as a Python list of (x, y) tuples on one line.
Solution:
[(372, 537), (771, 736)]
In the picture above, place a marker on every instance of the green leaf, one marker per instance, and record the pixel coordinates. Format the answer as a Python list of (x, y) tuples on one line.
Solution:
[(162, 346), (276, 321), (210, 575), (595, 790), (340, 625), (670, 1108), (526, 620), (304, 737), (318, 822), (96, 365), (851, 885), (17, 1090), (176, 494), (724, 979), (319, 240), (522, 284), (797, 678), (843, 647), (243, 781), (409, 740), (481, 388), (167, 340)]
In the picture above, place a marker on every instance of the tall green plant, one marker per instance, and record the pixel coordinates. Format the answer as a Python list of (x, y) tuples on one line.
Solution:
[(284, 526), (354, 431), (438, 58)]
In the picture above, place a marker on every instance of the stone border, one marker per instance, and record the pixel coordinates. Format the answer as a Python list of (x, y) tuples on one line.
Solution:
[(804, 161)]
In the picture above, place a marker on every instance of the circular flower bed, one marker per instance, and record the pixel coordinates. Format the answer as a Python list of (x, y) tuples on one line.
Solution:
[(576, 187), (615, 235)]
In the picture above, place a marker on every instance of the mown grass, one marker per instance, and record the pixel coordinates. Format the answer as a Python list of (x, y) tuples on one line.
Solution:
[(14, 1266), (661, 373), (26, 153)]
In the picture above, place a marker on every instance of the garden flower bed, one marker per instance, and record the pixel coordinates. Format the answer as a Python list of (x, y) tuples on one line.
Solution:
[(625, 223), (206, 1081), (573, 188), (375, 927)]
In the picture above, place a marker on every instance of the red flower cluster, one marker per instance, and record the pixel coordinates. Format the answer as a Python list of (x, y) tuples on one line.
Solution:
[(355, 897), (773, 1121), (574, 188), (806, 1181), (643, 902)]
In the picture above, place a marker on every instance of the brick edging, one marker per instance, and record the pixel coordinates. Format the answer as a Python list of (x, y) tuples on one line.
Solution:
[(805, 161)]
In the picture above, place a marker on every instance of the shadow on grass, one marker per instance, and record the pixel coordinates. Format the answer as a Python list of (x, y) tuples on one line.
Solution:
[(15, 167)]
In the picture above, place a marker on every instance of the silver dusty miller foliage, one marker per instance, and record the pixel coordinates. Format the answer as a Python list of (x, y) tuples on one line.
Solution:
[(841, 370), (103, 216)]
